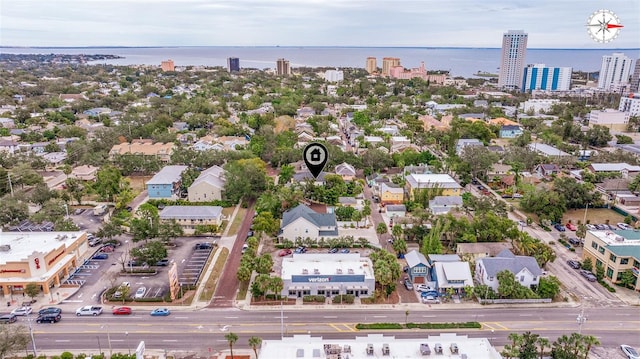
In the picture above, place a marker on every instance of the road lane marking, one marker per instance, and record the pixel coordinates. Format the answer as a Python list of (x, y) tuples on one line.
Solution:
[(379, 316), (280, 317), (231, 317), (169, 340), (62, 340), (526, 315), (428, 316), (330, 316), (181, 317)]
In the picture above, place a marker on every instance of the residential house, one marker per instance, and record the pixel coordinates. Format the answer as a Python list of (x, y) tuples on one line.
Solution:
[(97, 111), (190, 217), (451, 276), (547, 170), (6, 122), (474, 251), (303, 222), (84, 172), (617, 252), (166, 183), (72, 97), (510, 131), (391, 193), (346, 171), (441, 184), (466, 142), (525, 269), (444, 204), (624, 169), (305, 176), (8, 146), (547, 150), (499, 169), (209, 186), (396, 211), (144, 147), (418, 267)]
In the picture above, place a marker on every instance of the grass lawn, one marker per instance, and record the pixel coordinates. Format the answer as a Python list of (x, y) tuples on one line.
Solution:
[(235, 225), (210, 285), (594, 215)]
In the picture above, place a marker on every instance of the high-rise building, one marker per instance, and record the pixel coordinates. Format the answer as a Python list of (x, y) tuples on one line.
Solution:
[(388, 63), (514, 53), (282, 67), (233, 64), (167, 65), (630, 103), (614, 73), (372, 65), (541, 77), (635, 78)]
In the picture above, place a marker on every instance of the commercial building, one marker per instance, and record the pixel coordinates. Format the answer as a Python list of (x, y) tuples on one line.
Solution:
[(617, 252), (388, 63), (445, 345), (512, 62), (44, 258), (541, 77), (372, 65), (327, 274), (167, 65), (630, 104), (190, 217), (614, 72), (334, 75), (612, 119), (282, 67), (233, 64)]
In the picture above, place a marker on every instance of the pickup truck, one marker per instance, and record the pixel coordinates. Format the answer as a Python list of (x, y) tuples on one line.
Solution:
[(89, 310)]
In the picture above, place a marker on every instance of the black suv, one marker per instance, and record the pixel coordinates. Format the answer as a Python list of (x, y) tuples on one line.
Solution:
[(49, 318), (574, 264), (204, 245), (50, 310)]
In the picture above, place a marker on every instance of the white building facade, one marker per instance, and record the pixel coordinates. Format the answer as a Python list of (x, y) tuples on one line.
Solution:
[(542, 77), (334, 75), (612, 119), (614, 72), (514, 51), (630, 104), (327, 274)]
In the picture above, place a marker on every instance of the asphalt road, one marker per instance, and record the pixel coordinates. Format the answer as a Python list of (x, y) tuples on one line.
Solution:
[(203, 329)]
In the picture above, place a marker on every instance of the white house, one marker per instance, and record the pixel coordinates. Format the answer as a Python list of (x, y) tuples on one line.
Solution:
[(208, 186), (303, 222), (526, 269)]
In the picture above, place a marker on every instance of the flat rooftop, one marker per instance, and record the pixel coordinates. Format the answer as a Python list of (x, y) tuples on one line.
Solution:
[(306, 346), (22, 244), (623, 243), (326, 264)]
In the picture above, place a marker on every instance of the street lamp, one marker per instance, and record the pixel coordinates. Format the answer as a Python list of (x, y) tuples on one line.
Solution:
[(108, 338), (126, 335), (99, 346), (33, 340), (584, 221)]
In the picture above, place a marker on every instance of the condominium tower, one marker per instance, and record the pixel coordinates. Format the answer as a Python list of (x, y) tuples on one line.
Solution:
[(388, 63), (167, 65), (635, 78), (614, 73), (372, 65), (541, 77), (514, 52), (233, 64), (282, 67)]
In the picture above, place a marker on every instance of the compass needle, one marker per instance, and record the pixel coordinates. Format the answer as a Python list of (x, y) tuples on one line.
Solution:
[(603, 26)]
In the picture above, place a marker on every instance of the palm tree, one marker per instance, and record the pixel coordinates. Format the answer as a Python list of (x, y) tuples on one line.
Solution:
[(589, 341), (232, 338), (254, 343), (543, 343)]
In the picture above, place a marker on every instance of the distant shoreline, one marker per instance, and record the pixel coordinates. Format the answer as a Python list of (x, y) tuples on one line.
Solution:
[(312, 47)]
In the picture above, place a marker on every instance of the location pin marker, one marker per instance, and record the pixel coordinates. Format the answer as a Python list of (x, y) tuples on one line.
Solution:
[(315, 155)]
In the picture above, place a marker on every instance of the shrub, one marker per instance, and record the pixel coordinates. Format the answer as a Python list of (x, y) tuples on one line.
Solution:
[(344, 299), (313, 299), (379, 326), (467, 325), (66, 355)]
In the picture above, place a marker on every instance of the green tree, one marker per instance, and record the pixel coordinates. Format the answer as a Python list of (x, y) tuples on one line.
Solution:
[(13, 338), (245, 178), (400, 246), (254, 343), (244, 272), (599, 271), (588, 341), (381, 228), (264, 264), (587, 264), (107, 183), (286, 174), (543, 343), (627, 279), (168, 230), (231, 338), (266, 223), (110, 229), (548, 287), (75, 188), (528, 348), (32, 290), (13, 211), (150, 253)]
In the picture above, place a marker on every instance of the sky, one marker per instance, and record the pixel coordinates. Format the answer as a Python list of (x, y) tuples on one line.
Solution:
[(366, 23)]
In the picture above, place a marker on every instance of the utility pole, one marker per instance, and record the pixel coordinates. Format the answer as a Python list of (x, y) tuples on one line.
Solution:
[(10, 185)]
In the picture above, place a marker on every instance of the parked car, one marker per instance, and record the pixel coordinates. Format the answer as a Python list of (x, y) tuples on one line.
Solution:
[(590, 226), (300, 250), (107, 248), (50, 310), (623, 226), (424, 288), (160, 312), (572, 227), (48, 318), (134, 263), (89, 310), (429, 294), (22, 311), (244, 248), (517, 195), (574, 264), (333, 250), (559, 227), (163, 262), (602, 226), (408, 284), (94, 241), (575, 241), (284, 252), (121, 311), (8, 318), (204, 246), (629, 351), (429, 299), (588, 275), (405, 269), (101, 256), (78, 211), (345, 250), (140, 292), (250, 234)]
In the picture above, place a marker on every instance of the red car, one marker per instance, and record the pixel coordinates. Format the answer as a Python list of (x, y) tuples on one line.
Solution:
[(571, 227), (284, 252), (122, 311)]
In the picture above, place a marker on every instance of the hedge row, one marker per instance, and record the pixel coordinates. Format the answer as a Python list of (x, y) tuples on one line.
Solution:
[(379, 326), (464, 325), (314, 299)]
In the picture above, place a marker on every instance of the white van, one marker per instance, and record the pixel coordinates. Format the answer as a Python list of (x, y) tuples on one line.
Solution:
[(99, 210)]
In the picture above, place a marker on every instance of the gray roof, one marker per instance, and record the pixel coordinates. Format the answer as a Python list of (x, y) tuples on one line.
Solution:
[(191, 212), (347, 200), (213, 170), (547, 150), (446, 201), (396, 208), (318, 219), (211, 179), (444, 258), (415, 258), (168, 175), (507, 260), (306, 175)]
